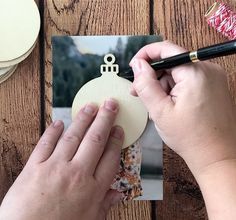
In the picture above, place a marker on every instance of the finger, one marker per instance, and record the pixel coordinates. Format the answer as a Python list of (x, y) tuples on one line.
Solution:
[(47, 143), (70, 141), (94, 142), (167, 83), (149, 88), (112, 198), (109, 163), (159, 50)]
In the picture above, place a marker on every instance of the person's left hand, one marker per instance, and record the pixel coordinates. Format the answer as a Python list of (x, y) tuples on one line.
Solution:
[(68, 176)]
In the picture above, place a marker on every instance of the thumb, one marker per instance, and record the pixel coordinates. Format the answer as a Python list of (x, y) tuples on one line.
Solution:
[(149, 88), (112, 198)]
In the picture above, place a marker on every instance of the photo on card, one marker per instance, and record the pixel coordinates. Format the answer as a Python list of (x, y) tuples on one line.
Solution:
[(77, 61)]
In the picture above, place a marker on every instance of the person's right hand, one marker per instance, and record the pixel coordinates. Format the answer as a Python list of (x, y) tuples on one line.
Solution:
[(190, 105)]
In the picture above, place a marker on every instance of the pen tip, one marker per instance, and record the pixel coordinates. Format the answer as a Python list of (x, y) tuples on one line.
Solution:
[(127, 74)]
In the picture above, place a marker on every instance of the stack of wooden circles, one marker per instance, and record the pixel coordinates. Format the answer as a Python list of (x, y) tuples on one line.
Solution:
[(19, 27)]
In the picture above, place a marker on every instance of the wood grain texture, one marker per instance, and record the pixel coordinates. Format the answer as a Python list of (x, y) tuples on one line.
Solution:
[(131, 210), (19, 119), (95, 17), (183, 22)]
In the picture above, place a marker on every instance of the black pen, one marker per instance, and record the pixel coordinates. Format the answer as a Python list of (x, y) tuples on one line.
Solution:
[(206, 53)]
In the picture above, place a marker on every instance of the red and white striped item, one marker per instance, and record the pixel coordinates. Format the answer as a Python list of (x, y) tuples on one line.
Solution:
[(221, 17)]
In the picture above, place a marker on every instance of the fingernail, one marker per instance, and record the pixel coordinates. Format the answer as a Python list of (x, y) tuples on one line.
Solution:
[(117, 132), (137, 67), (111, 105), (57, 124), (90, 109), (117, 198)]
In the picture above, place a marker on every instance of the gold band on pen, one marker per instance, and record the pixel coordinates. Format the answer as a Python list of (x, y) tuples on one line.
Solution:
[(193, 56)]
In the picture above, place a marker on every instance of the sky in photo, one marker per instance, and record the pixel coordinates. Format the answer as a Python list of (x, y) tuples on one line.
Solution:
[(92, 44)]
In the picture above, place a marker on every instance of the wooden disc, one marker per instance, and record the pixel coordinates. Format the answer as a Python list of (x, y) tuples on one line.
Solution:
[(19, 25), (132, 116), (18, 60), (6, 76), (4, 71)]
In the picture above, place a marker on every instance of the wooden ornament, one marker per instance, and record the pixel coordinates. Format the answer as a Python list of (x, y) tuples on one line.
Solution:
[(132, 116), (19, 25)]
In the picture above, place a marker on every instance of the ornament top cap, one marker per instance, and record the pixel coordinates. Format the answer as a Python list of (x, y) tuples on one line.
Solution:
[(109, 66)]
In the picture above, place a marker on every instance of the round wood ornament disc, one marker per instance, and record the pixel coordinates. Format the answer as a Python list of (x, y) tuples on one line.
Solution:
[(3, 71), (132, 116), (7, 75), (19, 25), (18, 60)]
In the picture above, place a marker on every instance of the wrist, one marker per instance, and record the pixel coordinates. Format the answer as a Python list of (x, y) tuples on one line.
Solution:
[(217, 183), (202, 159)]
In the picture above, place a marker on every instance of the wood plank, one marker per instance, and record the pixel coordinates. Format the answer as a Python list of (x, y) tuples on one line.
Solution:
[(183, 22), (131, 210), (19, 119), (95, 17)]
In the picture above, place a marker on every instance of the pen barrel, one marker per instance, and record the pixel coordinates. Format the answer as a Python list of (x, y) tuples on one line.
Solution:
[(223, 49), (171, 62), (218, 50)]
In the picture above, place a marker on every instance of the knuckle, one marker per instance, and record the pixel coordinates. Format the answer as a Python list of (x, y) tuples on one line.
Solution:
[(70, 138), (145, 48), (106, 116), (45, 141), (168, 42), (78, 178), (95, 138), (83, 117), (78, 174)]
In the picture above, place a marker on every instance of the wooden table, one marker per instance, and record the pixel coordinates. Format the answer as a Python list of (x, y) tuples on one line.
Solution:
[(26, 98)]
